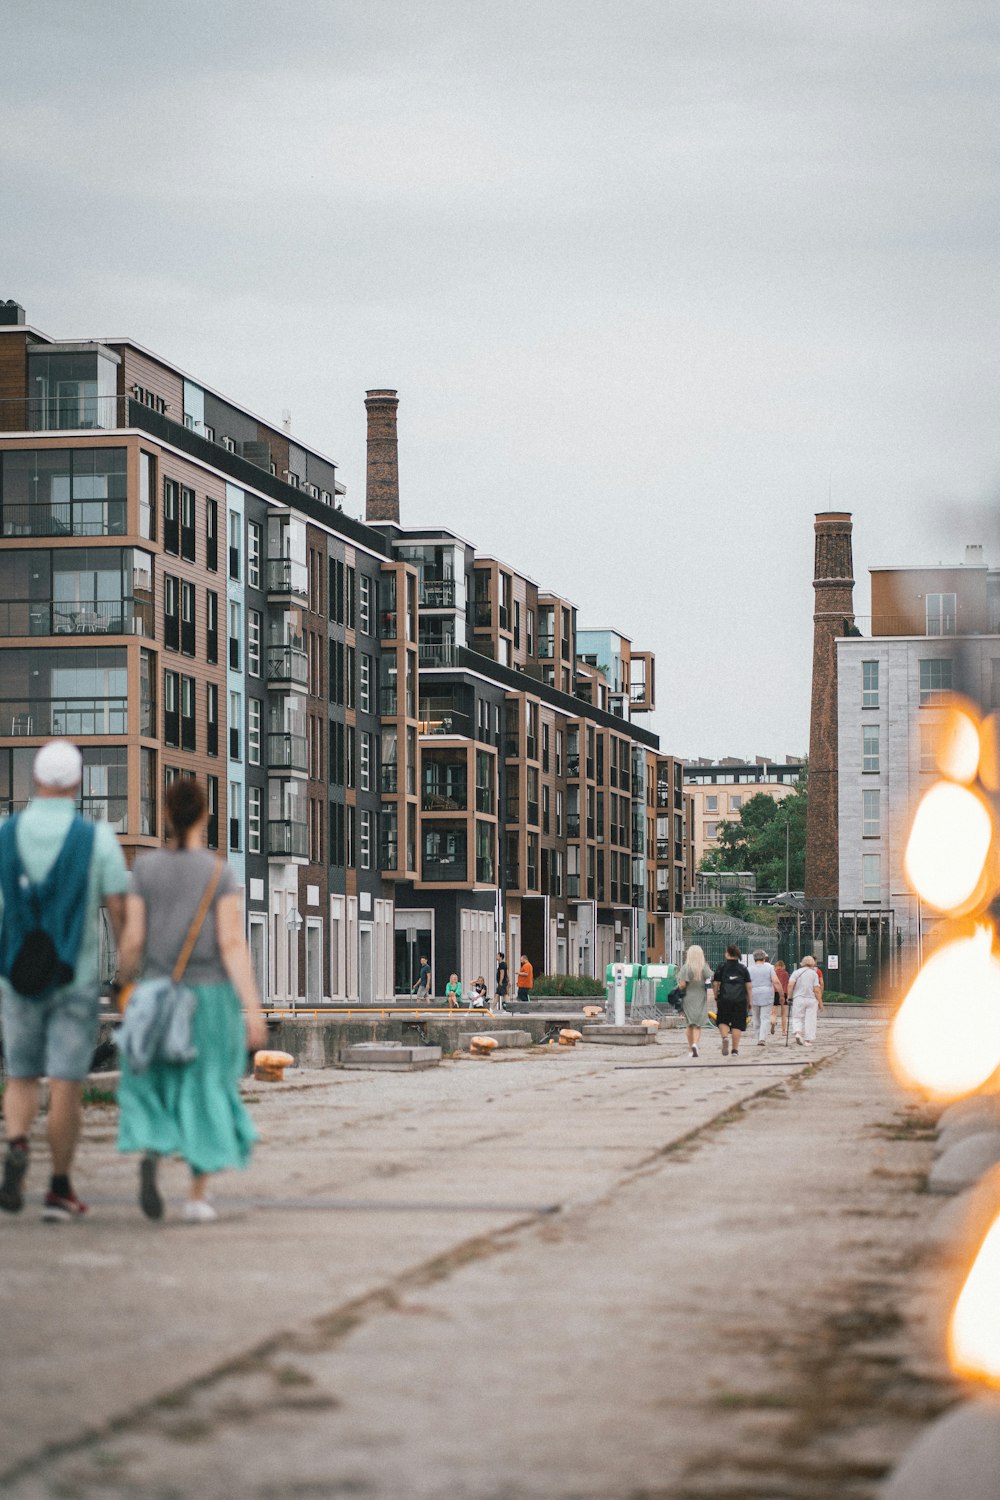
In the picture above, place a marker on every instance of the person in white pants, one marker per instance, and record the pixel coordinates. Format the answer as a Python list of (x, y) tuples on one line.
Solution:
[(805, 990), (764, 995)]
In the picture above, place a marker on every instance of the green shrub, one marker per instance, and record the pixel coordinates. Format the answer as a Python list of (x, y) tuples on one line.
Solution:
[(837, 997), (567, 984)]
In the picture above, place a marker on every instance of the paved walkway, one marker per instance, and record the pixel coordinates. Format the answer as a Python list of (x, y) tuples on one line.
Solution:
[(598, 1273)]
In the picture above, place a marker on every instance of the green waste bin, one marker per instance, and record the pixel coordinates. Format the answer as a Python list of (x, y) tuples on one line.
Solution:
[(665, 978), (632, 973)]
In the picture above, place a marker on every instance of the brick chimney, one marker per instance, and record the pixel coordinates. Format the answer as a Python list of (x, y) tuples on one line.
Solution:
[(382, 491), (833, 585)]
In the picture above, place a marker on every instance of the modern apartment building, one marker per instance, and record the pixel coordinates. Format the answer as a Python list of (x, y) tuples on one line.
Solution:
[(402, 748), (931, 631), (718, 790)]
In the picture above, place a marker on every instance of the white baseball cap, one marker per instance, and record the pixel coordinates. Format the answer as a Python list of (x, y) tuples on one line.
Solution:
[(58, 764)]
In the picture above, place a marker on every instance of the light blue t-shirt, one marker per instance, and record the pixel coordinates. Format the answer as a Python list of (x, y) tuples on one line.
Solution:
[(41, 831)]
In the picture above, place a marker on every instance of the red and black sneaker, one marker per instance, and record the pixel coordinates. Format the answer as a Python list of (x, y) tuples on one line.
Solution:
[(62, 1208), (15, 1169)]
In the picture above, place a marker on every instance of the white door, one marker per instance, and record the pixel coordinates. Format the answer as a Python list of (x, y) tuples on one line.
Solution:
[(314, 961), (366, 963)]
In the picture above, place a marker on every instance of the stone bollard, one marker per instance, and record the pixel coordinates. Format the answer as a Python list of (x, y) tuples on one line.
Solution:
[(269, 1067)]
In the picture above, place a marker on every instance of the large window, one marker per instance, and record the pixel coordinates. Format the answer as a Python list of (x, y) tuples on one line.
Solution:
[(68, 389), (68, 691), (869, 747), (445, 851), (103, 791), (871, 877), (871, 812), (869, 684), (935, 679), (941, 614), (63, 492), (76, 591)]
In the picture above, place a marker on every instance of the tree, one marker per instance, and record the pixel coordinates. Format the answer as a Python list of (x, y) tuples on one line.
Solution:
[(757, 841)]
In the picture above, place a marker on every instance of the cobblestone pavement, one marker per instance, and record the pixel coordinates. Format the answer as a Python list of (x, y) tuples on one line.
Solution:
[(602, 1274)]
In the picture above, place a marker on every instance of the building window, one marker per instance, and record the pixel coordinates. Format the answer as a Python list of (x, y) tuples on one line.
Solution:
[(187, 618), (869, 684), (253, 731), (211, 627), (364, 762), (365, 604), (253, 819), (235, 720), (171, 525), (212, 835), (212, 718), (869, 747), (235, 835), (871, 813), (941, 613), (935, 679), (147, 492), (712, 804), (365, 682), (253, 642), (171, 714), (187, 714), (187, 524), (735, 804), (235, 543), (212, 535), (253, 554), (711, 830), (351, 670), (171, 613), (234, 635), (928, 747), (365, 847), (871, 877)]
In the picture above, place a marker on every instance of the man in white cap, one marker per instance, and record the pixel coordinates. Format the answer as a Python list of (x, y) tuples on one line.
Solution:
[(56, 870)]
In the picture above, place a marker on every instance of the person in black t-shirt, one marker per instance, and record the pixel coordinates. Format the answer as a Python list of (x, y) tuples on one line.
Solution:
[(732, 988), (503, 981)]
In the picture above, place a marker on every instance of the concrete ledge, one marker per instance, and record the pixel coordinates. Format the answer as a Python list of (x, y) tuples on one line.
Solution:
[(629, 1035), (502, 1038), (390, 1057)]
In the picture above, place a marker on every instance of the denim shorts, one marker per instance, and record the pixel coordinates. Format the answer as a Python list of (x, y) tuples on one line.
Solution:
[(50, 1038)]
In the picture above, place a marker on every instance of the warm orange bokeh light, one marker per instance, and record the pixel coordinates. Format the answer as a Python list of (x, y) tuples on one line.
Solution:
[(958, 745), (989, 753), (948, 845), (945, 1038), (974, 1331)]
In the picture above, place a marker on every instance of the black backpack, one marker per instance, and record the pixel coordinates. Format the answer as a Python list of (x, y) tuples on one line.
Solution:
[(733, 988)]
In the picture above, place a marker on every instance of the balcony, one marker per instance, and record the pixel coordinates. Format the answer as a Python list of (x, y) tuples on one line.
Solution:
[(572, 765), (287, 840), (287, 752), (484, 869), (287, 664), (287, 578), (388, 778), (573, 887), (573, 825), (482, 614), (447, 868), (387, 626), (437, 593), (103, 617), (484, 799), (438, 654)]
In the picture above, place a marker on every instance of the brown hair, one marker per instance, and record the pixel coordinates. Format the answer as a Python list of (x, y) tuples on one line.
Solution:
[(185, 805)]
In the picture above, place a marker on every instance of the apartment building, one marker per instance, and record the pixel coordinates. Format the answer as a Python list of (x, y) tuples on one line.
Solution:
[(403, 749), (931, 631), (719, 788)]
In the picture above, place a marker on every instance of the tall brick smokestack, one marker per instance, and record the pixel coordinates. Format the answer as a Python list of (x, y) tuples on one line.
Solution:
[(382, 492), (833, 585)]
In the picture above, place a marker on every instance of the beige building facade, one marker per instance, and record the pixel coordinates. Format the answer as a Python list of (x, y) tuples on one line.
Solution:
[(719, 790)]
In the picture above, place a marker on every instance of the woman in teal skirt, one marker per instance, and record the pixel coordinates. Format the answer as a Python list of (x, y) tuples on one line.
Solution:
[(190, 1110)]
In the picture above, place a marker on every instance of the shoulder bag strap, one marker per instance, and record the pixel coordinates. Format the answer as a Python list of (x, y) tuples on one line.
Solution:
[(197, 924)]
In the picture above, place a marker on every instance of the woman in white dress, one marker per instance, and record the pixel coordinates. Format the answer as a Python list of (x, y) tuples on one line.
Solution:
[(805, 991)]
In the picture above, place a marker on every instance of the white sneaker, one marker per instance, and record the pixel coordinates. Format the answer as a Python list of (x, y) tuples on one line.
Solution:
[(198, 1211), (798, 1037), (761, 1043)]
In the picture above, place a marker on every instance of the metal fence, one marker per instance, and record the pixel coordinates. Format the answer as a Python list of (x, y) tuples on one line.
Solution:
[(870, 962)]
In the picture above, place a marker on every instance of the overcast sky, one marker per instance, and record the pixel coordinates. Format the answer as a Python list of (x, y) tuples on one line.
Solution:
[(655, 281)]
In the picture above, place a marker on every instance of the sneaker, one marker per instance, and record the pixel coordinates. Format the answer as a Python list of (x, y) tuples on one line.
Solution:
[(149, 1194), (761, 1043), (15, 1169), (798, 1037), (694, 1051), (62, 1208), (725, 1046), (198, 1211), (736, 1051)]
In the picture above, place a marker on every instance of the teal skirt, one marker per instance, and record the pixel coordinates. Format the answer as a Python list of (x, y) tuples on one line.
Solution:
[(194, 1110)]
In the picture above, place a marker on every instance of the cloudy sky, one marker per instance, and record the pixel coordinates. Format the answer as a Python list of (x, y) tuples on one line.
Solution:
[(655, 281)]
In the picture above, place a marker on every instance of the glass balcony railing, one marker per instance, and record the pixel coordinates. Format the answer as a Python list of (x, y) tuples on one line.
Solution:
[(287, 838), (444, 797), (287, 664), (573, 825), (54, 617), (438, 654), (285, 576), (287, 752), (447, 868), (437, 593)]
